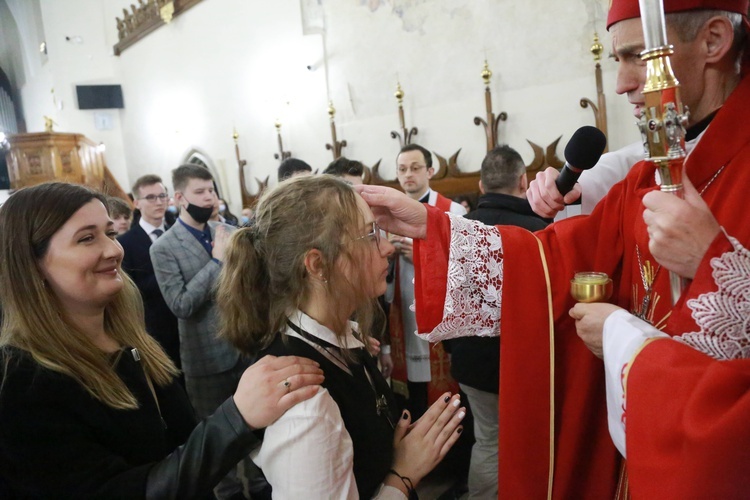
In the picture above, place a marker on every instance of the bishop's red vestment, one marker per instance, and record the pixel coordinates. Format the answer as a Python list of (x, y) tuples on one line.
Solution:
[(687, 424), (473, 280)]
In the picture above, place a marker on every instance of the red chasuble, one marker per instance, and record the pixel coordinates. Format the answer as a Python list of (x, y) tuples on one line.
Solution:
[(687, 424), (440, 371), (558, 446)]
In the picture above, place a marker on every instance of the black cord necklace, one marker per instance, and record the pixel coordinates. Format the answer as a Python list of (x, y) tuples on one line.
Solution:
[(381, 401)]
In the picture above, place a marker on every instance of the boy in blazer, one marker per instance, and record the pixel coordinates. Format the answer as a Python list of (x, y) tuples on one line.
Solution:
[(151, 198)]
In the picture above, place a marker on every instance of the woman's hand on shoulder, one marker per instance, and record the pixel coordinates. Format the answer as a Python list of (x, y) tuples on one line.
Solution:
[(271, 386), (419, 447)]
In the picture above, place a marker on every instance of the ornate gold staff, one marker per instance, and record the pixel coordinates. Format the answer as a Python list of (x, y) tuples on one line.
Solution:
[(663, 119)]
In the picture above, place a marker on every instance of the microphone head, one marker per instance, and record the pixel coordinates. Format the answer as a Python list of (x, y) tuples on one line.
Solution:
[(585, 147)]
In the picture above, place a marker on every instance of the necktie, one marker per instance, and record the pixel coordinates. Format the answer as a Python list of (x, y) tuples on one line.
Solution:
[(157, 232)]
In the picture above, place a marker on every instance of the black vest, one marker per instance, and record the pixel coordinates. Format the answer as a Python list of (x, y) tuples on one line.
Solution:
[(372, 434)]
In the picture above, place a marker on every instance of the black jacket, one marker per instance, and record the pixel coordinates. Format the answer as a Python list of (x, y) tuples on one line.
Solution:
[(56, 441), (497, 209), (161, 323), (475, 361)]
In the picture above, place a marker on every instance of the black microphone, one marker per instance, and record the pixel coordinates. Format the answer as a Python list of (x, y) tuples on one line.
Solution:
[(582, 152)]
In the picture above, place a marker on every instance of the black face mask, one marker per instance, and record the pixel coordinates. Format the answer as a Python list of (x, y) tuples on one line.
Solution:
[(199, 214)]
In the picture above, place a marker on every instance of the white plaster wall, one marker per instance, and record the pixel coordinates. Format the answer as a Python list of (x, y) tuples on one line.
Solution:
[(242, 63), (48, 86)]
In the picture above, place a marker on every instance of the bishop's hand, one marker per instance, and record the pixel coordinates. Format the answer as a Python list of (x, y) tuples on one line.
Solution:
[(680, 231), (590, 320), (394, 211)]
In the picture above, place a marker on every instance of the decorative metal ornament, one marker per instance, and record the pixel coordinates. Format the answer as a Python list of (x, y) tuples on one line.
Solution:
[(404, 137), (492, 121)]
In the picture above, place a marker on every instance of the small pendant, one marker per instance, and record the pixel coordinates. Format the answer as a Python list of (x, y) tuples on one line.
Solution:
[(381, 407), (645, 304)]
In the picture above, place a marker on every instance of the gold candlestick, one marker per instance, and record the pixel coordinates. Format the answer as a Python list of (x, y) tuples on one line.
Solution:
[(404, 137), (591, 287), (335, 146), (493, 121)]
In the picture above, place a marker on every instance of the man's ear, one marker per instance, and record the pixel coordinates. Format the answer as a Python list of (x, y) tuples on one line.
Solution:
[(430, 172), (523, 183), (717, 35), (481, 187)]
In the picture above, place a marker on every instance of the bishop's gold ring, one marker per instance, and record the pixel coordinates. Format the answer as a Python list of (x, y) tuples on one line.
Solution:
[(288, 386)]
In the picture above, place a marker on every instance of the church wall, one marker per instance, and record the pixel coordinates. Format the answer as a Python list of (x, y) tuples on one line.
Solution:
[(242, 64)]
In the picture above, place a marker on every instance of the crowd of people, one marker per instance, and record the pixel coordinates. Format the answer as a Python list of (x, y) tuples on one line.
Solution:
[(162, 347)]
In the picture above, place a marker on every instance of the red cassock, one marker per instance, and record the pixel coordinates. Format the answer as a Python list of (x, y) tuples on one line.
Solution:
[(553, 438), (687, 424)]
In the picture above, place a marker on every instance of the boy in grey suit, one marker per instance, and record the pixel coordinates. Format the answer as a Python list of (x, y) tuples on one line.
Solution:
[(187, 261)]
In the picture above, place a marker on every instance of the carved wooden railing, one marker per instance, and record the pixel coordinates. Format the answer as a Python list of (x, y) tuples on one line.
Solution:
[(543, 158), (145, 17), (447, 180)]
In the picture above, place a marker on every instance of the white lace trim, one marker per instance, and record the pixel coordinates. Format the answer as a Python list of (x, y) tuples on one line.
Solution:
[(475, 282), (723, 316)]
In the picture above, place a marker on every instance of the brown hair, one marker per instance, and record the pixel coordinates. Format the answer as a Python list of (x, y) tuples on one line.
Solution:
[(344, 166), (117, 207), (181, 175), (145, 180), (33, 319), (416, 147), (264, 276)]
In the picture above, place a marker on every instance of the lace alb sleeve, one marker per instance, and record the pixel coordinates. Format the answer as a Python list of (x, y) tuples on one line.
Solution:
[(475, 281), (723, 316)]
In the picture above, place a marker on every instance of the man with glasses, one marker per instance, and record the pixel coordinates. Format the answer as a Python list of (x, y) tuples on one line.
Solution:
[(151, 198), (411, 359)]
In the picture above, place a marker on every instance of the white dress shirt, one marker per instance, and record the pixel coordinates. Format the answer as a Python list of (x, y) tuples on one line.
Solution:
[(149, 228)]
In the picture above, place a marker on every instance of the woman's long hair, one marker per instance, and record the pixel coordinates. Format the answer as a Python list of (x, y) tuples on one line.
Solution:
[(34, 320), (264, 277)]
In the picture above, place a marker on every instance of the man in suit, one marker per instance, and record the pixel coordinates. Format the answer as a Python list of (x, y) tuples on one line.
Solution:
[(150, 197), (187, 260)]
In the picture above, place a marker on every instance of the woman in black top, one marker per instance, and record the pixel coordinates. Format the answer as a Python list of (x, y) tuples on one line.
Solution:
[(89, 405)]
